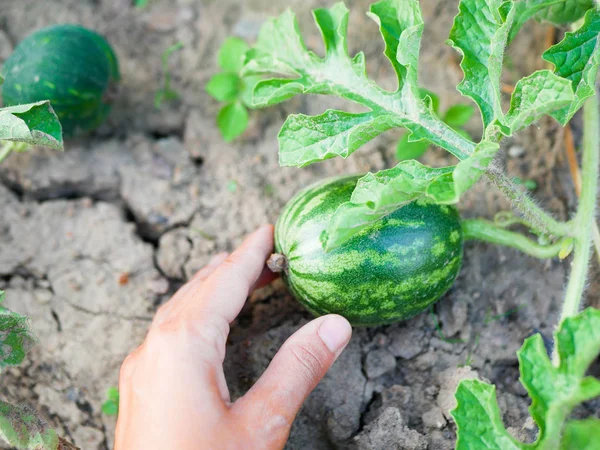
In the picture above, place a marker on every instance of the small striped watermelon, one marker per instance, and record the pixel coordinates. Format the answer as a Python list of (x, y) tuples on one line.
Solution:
[(388, 272), (73, 67)]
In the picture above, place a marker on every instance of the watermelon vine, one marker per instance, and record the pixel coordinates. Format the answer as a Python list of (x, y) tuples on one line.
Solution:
[(481, 32)]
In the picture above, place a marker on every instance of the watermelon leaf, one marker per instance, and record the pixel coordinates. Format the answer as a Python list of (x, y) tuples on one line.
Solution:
[(535, 96), (527, 9), (480, 34), (23, 428), (333, 133), (557, 12), (581, 435), (458, 115), (33, 124), (380, 194), (565, 11), (554, 391), (576, 59), (16, 337), (281, 54), (407, 149)]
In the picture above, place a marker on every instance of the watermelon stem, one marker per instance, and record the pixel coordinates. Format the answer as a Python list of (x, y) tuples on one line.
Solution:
[(487, 231), (586, 212), (278, 263)]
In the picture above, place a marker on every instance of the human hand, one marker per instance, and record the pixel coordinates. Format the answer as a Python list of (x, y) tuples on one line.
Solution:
[(173, 393)]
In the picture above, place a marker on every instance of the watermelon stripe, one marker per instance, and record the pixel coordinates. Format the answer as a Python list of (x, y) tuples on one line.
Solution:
[(389, 272), (67, 64)]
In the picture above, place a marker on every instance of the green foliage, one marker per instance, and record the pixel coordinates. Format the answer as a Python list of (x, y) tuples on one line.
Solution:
[(483, 55), (232, 120), (555, 390), (554, 11), (20, 426), (23, 428), (111, 406), (167, 93), (233, 89), (480, 33), (33, 124), (24, 126), (16, 337), (141, 3), (565, 11), (576, 59), (455, 117)]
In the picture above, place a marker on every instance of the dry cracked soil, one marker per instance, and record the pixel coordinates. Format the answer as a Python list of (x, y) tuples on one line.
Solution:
[(92, 240)]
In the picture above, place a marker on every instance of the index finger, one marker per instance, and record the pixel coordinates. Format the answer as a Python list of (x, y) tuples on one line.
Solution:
[(225, 291)]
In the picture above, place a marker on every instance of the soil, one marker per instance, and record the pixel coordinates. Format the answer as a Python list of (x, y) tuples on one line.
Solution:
[(92, 240)]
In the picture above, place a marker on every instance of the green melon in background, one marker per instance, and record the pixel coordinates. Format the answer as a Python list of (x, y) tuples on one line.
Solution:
[(389, 272), (73, 67)]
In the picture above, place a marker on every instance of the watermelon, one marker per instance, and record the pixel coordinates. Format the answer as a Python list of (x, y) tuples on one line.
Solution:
[(388, 272), (73, 67)]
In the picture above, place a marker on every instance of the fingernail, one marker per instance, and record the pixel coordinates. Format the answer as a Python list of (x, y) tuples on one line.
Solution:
[(335, 331)]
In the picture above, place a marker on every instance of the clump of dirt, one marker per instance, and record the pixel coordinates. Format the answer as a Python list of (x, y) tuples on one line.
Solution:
[(92, 240)]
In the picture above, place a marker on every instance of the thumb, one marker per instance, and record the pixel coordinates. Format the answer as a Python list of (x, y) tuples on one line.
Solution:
[(273, 402)]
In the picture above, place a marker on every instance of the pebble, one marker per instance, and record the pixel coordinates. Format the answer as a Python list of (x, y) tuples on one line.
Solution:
[(434, 418), (379, 362)]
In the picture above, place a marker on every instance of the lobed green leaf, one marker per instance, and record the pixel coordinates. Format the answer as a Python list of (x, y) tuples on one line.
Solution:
[(535, 96), (565, 11), (527, 9), (407, 149), (401, 27), (458, 115), (480, 33), (576, 59), (16, 337), (581, 435), (22, 427), (554, 391), (477, 406), (33, 124), (304, 140), (380, 194)]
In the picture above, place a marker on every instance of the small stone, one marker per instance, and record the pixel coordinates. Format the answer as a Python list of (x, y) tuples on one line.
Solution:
[(174, 249), (516, 151), (407, 342), (379, 362), (434, 418), (389, 432), (159, 286), (42, 296), (453, 316), (88, 437), (396, 395)]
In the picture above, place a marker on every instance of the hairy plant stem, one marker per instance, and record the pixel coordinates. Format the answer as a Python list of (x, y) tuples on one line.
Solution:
[(539, 219), (485, 230), (586, 210)]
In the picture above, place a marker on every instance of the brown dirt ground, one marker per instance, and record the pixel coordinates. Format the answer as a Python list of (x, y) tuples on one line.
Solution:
[(92, 240)]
